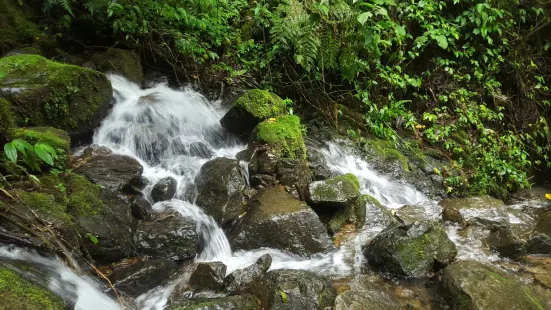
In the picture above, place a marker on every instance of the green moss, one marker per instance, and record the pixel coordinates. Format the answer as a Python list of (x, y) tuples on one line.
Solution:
[(46, 205), (7, 121), (386, 151), (352, 178), (412, 251), (56, 138), (283, 136), (126, 63), (16, 27), (18, 293), (84, 196), (261, 104), (53, 93)]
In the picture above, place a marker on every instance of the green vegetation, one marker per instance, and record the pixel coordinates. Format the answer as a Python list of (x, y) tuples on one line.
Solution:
[(57, 139), (31, 155), (283, 135), (261, 104), (19, 293)]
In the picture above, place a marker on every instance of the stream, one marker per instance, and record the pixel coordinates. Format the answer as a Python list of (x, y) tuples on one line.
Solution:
[(154, 126)]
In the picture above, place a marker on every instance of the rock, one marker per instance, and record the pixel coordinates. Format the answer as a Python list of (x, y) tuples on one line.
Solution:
[(355, 213), (43, 92), (483, 210), (241, 302), (294, 173), (248, 279), (295, 289), (164, 189), (96, 149), (169, 236), (250, 109), (316, 161), (118, 61), (143, 276), (473, 285), (220, 184), (28, 50), (505, 242), (540, 240), (102, 218), (7, 122), (142, 209), (18, 293), (334, 192), (367, 293), (282, 136), (259, 181), (278, 220), (201, 150), (208, 276), (115, 172), (540, 268), (58, 139), (263, 162), (411, 251), (424, 211)]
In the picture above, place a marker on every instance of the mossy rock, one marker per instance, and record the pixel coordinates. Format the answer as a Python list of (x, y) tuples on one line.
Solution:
[(474, 285), (18, 293), (250, 109), (56, 138), (241, 302), (118, 61), (340, 191), (47, 93), (283, 136), (354, 213), (540, 240), (7, 122)]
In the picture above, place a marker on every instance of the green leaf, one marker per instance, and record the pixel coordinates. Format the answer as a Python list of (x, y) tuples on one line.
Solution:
[(362, 18), (34, 178), (10, 151), (284, 296), (47, 148), (442, 41), (92, 238), (44, 155)]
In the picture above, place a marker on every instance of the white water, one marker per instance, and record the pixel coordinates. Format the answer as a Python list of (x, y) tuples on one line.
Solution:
[(158, 127)]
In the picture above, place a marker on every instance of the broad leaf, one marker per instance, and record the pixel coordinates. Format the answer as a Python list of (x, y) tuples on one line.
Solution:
[(362, 18), (442, 41), (44, 155), (11, 152)]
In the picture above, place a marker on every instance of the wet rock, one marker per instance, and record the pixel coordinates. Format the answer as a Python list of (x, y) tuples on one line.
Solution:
[(411, 251), (294, 173), (220, 184), (249, 278), (164, 189), (250, 109), (540, 240), (200, 149), (295, 289), (40, 94), (278, 220), (540, 268), (410, 214), (473, 285), (376, 215), (96, 149), (355, 213), (506, 243), (367, 293), (115, 172), (141, 209), (259, 181), (282, 137), (170, 236), (118, 61), (263, 162), (483, 210), (316, 161), (143, 276), (241, 302), (334, 192), (18, 293), (208, 276)]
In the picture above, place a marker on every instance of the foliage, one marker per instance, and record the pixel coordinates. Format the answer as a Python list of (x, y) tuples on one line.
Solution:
[(31, 155)]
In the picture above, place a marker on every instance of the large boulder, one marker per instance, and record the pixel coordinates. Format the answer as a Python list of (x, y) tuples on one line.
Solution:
[(540, 240), (356, 213), (115, 172), (208, 276), (169, 236), (240, 302), (18, 293), (118, 61), (220, 184), (143, 276), (367, 293), (56, 138), (43, 92), (282, 136), (250, 109), (295, 289), (411, 251), (249, 278), (474, 285), (483, 210), (337, 192), (164, 189), (278, 220), (294, 174)]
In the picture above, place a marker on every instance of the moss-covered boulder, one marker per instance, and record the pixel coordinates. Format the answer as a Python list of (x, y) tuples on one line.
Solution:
[(276, 219), (47, 93), (473, 285), (355, 213), (338, 191), (483, 210), (283, 136), (367, 293), (118, 61), (540, 239), (250, 109), (18, 293), (56, 138), (411, 251)]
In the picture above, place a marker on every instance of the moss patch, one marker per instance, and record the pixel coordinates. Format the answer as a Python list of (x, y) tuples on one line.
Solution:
[(84, 196), (123, 62), (56, 138), (7, 122), (386, 151), (283, 135), (46, 205), (261, 104), (18, 293), (46, 92)]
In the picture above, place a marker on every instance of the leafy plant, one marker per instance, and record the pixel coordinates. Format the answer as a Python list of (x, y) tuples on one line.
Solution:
[(31, 155), (92, 238)]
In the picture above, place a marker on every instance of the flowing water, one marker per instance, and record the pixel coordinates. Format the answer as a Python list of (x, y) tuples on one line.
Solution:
[(173, 133)]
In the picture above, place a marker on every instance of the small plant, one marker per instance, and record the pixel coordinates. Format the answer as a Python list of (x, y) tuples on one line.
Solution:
[(31, 155), (92, 238)]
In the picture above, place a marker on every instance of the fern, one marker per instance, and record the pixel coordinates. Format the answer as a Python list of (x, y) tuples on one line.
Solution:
[(65, 4)]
